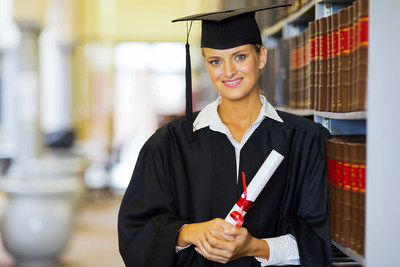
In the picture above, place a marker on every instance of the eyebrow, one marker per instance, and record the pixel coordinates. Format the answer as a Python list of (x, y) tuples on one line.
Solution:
[(234, 54)]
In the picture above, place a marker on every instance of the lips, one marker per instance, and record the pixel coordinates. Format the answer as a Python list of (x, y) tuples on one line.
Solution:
[(232, 82)]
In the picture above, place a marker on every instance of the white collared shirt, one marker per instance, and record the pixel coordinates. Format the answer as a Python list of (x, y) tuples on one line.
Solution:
[(283, 249)]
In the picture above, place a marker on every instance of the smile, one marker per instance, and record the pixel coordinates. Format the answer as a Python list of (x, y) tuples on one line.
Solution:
[(233, 83)]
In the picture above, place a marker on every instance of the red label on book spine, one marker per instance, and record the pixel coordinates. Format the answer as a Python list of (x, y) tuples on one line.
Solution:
[(346, 175), (339, 173), (354, 169), (363, 31), (335, 43), (351, 38), (361, 182), (316, 47), (329, 40), (344, 41), (312, 49), (323, 46)]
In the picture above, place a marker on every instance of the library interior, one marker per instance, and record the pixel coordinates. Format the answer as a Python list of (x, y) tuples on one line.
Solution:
[(85, 83)]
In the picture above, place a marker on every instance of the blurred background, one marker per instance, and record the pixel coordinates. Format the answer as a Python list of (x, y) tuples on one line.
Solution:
[(83, 84)]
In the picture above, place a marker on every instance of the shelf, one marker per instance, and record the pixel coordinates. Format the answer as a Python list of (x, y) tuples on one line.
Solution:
[(299, 112), (356, 115), (298, 16), (301, 16), (352, 254)]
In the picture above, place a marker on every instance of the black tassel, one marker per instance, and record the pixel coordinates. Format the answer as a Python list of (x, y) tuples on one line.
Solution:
[(189, 107)]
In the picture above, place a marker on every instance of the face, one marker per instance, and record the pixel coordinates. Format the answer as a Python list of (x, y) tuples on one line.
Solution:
[(234, 72)]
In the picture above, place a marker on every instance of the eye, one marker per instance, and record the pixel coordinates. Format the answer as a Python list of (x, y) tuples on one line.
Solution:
[(240, 57), (215, 62)]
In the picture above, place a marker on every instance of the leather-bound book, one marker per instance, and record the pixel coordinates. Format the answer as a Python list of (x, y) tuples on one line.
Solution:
[(354, 174), (344, 82), (311, 73), (335, 61), (300, 72), (350, 101), (354, 58), (323, 63), (338, 190), (284, 72), (346, 193), (362, 68), (361, 198), (307, 95), (317, 58), (329, 65), (293, 71)]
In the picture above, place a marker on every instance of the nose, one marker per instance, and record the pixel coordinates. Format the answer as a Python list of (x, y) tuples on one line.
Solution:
[(230, 69)]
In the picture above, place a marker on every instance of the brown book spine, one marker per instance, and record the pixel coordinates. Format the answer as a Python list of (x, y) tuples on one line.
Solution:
[(346, 194), (317, 58), (354, 56), (307, 100), (338, 192), (329, 66), (311, 73), (351, 48), (323, 63), (292, 89), (361, 198), (335, 61), (354, 59), (362, 54), (300, 76), (354, 170), (343, 85)]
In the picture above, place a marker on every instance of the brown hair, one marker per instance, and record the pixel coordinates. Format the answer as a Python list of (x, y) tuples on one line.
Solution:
[(257, 47)]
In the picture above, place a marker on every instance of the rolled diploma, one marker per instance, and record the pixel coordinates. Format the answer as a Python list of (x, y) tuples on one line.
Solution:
[(259, 181)]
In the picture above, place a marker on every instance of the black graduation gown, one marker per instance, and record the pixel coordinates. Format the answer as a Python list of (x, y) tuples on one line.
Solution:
[(175, 182)]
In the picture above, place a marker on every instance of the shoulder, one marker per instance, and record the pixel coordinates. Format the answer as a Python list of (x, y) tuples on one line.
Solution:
[(301, 125), (172, 132)]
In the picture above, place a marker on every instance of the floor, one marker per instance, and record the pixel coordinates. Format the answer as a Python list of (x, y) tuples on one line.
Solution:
[(94, 242)]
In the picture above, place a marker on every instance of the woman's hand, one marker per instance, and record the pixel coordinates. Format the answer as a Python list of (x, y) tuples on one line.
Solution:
[(191, 233), (214, 245)]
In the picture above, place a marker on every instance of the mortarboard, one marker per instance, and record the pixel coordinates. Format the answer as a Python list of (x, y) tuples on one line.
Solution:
[(221, 30)]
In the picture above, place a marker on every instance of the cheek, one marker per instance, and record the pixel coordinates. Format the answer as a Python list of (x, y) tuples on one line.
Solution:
[(213, 73)]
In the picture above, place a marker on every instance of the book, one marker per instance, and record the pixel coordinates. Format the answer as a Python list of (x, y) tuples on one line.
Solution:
[(317, 59), (329, 65), (343, 69), (361, 200), (311, 73), (323, 63), (346, 193), (362, 56), (335, 61)]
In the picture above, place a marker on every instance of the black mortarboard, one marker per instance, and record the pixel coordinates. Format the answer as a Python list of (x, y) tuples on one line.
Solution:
[(221, 30)]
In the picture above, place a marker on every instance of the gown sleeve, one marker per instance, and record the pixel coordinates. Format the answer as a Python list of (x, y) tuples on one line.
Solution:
[(310, 223), (147, 222)]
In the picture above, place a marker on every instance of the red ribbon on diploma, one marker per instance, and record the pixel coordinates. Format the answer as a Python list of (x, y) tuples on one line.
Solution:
[(243, 203)]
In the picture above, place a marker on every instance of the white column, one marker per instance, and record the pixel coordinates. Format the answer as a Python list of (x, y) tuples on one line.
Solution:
[(383, 141)]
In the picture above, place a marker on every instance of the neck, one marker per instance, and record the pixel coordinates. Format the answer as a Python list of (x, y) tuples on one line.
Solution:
[(245, 111)]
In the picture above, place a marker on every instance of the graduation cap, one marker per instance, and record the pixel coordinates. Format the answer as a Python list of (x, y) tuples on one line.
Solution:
[(221, 30)]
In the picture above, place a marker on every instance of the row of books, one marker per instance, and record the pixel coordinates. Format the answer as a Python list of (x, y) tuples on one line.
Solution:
[(346, 161), (329, 62)]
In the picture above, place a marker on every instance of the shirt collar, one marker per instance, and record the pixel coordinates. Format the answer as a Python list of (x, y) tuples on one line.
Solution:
[(208, 117)]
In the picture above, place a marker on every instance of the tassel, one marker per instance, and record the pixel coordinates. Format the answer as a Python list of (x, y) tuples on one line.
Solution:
[(189, 108)]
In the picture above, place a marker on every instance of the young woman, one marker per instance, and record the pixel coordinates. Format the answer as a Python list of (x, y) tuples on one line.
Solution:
[(172, 211)]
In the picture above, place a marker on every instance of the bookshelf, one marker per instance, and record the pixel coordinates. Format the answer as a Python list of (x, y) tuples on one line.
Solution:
[(338, 123)]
